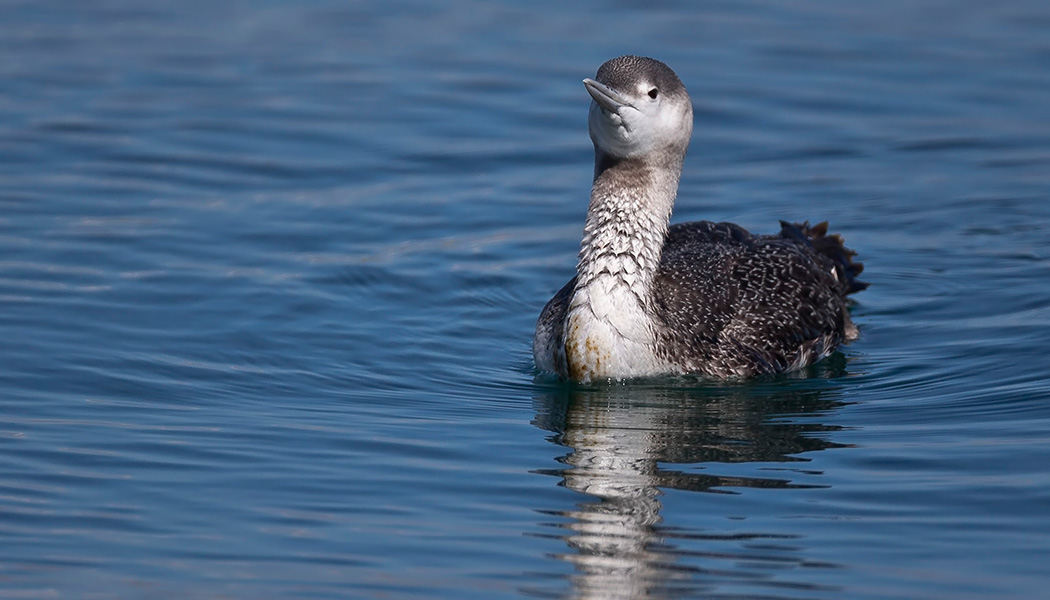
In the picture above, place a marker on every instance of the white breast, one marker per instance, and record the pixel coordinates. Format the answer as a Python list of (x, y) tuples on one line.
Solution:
[(608, 332)]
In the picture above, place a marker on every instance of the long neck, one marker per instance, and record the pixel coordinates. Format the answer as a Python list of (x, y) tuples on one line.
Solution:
[(631, 202), (609, 329)]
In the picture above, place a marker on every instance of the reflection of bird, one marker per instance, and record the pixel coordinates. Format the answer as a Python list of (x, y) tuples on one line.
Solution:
[(714, 424), (623, 444), (699, 297)]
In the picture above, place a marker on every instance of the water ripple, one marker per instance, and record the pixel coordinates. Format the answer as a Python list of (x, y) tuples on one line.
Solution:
[(269, 278)]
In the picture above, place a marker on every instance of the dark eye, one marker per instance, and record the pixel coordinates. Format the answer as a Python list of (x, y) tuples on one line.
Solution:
[(653, 93)]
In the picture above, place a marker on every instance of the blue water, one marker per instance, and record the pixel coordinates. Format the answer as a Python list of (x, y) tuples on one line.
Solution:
[(269, 273)]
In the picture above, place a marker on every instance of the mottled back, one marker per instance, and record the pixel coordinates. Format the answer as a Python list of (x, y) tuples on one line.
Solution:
[(738, 304)]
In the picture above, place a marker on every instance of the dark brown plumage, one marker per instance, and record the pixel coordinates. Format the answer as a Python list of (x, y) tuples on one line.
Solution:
[(734, 304)]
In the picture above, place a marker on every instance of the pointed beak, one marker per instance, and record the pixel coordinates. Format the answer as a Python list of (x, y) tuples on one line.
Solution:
[(606, 97)]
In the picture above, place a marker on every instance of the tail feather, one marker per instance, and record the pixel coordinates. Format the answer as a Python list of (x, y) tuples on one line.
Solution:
[(831, 246)]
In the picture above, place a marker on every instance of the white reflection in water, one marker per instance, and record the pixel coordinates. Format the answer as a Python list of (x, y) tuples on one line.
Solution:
[(621, 441)]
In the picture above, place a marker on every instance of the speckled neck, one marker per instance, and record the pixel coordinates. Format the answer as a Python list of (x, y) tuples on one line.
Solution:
[(631, 203), (610, 325)]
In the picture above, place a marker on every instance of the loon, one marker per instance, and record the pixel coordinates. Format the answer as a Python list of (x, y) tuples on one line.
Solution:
[(702, 298)]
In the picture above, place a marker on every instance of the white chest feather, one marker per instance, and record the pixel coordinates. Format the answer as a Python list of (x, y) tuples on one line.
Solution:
[(608, 332)]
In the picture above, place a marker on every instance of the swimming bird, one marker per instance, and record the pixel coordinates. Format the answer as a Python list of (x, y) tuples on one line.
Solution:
[(712, 299)]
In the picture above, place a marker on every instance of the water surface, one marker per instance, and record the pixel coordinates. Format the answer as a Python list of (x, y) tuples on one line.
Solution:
[(269, 273)]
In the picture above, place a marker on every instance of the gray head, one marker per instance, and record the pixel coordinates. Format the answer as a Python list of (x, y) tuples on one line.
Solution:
[(640, 108)]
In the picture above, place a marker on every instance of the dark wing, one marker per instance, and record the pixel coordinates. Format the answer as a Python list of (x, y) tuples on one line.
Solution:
[(548, 345), (739, 304), (830, 250)]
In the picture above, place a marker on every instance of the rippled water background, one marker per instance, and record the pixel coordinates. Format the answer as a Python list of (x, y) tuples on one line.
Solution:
[(269, 273)]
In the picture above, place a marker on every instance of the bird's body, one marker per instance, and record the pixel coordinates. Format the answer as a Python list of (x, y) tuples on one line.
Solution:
[(701, 297)]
